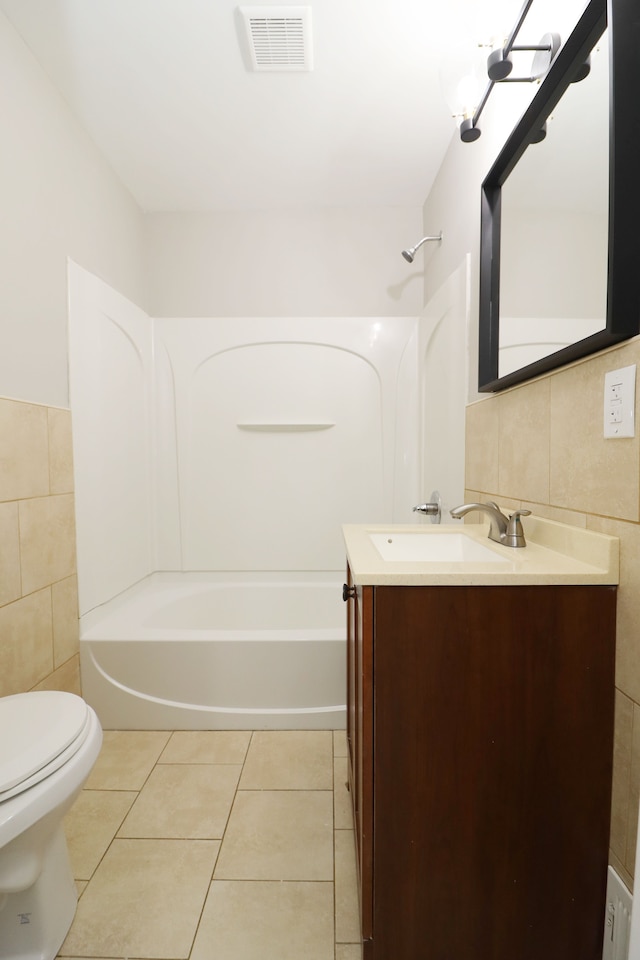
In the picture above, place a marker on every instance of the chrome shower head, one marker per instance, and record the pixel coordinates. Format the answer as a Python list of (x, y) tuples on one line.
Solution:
[(411, 252)]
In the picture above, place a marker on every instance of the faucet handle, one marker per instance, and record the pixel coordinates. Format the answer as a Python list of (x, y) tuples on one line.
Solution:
[(515, 533), (429, 509), (432, 509)]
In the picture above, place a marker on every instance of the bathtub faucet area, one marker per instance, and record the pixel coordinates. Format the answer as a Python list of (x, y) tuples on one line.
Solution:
[(505, 530)]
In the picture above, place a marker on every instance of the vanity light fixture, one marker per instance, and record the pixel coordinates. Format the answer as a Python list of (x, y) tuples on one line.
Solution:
[(499, 67)]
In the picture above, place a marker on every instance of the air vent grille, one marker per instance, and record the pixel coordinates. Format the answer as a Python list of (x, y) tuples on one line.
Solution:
[(279, 37)]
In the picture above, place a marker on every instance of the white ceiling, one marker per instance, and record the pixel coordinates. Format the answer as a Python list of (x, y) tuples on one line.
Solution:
[(162, 88)]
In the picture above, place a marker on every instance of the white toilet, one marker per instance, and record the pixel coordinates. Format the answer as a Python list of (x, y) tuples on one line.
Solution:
[(49, 742)]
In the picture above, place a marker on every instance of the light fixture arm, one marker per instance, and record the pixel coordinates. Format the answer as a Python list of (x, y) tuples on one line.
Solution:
[(515, 30), (499, 66)]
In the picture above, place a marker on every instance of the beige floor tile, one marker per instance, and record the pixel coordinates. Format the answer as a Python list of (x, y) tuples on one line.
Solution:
[(91, 825), (266, 921), (347, 910), (126, 759), (289, 760), (342, 809), (206, 746), (184, 801), (143, 901), (348, 951), (340, 748), (278, 835)]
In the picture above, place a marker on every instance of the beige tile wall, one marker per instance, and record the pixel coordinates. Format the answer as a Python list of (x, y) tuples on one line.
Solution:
[(541, 446), (38, 585)]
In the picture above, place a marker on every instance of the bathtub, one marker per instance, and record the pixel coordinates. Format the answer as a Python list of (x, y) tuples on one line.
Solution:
[(209, 651)]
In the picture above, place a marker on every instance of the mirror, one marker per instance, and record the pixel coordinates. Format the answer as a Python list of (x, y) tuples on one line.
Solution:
[(556, 280)]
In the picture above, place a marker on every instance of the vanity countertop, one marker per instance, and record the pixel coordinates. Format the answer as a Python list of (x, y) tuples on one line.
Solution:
[(556, 553)]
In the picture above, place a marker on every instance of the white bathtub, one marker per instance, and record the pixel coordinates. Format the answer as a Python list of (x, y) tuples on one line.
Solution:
[(208, 651)]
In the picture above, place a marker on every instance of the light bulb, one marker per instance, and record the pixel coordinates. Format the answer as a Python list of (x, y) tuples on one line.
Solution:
[(463, 78)]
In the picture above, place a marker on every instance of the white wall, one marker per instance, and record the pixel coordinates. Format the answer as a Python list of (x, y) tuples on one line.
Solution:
[(442, 366), (59, 199), (326, 262)]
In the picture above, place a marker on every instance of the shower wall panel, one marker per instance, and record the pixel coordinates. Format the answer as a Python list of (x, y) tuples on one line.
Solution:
[(110, 374), (284, 429)]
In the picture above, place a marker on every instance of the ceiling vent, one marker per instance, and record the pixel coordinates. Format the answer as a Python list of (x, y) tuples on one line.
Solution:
[(279, 37)]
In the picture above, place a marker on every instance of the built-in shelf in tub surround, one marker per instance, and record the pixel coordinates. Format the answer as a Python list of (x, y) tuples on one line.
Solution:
[(284, 427), (556, 553)]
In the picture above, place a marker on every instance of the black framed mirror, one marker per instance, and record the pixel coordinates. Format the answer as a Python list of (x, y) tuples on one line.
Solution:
[(558, 239)]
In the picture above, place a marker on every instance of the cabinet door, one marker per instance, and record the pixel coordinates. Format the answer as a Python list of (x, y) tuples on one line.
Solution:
[(493, 751)]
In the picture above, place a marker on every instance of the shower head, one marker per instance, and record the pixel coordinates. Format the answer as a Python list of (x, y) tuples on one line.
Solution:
[(411, 252)]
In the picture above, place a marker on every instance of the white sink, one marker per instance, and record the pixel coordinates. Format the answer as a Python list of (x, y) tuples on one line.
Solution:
[(432, 548)]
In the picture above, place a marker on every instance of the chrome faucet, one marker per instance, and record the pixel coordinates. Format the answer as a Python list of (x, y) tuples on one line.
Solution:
[(505, 530)]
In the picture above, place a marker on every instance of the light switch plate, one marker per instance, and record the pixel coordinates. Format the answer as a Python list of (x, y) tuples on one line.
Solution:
[(619, 403)]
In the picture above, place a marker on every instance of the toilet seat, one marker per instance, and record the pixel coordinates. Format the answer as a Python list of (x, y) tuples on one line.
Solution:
[(39, 733)]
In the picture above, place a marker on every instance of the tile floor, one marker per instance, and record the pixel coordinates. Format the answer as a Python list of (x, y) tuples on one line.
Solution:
[(224, 845)]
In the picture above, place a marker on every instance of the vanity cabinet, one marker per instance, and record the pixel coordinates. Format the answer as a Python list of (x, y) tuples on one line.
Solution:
[(480, 734)]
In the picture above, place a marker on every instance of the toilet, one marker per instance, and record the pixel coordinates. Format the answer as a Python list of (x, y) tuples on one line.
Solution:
[(49, 741)]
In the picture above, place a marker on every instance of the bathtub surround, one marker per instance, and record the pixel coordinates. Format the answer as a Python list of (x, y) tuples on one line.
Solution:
[(38, 586), (540, 446), (242, 446), (235, 446)]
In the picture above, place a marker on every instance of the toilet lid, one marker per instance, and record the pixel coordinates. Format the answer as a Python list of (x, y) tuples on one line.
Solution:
[(39, 731)]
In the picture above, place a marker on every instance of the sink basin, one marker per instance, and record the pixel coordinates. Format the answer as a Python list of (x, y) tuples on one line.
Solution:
[(432, 548)]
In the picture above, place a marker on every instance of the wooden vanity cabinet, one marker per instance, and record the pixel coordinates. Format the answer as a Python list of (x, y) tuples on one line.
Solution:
[(480, 732)]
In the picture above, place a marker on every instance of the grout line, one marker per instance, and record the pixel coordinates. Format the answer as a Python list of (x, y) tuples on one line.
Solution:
[(215, 859)]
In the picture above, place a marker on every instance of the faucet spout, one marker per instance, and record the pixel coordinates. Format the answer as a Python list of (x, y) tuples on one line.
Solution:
[(507, 531), (497, 521)]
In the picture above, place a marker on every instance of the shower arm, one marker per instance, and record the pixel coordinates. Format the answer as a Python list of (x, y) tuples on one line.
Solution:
[(411, 252)]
